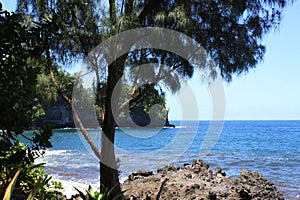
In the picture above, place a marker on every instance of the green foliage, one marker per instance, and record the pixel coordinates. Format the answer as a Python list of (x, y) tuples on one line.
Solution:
[(17, 78), (25, 86), (13, 157), (85, 98), (11, 186), (20, 74), (155, 96), (45, 91), (230, 31), (222, 27), (35, 190), (32, 181), (20, 67), (42, 138), (105, 194), (18, 155), (152, 102), (71, 25)]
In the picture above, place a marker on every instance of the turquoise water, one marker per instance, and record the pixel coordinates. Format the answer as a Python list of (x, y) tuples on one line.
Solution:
[(270, 147)]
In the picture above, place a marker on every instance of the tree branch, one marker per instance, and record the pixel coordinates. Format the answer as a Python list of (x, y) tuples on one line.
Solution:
[(147, 8), (69, 102), (112, 12), (128, 7), (136, 100)]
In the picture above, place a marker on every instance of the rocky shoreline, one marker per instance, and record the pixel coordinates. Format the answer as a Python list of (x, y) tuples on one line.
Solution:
[(196, 181)]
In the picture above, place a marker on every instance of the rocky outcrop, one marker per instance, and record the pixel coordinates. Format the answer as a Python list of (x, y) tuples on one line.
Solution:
[(197, 181), (253, 185), (139, 118), (59, 115)]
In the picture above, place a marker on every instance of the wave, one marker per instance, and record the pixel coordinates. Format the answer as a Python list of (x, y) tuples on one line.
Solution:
[(56, 152)]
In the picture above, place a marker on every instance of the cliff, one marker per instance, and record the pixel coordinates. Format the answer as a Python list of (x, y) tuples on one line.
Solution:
[(59, 115)]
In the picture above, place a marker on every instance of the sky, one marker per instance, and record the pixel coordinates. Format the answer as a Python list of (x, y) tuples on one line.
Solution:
[(271, 91)]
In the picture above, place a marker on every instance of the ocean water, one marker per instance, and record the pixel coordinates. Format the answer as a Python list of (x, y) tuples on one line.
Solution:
[(269, 147)]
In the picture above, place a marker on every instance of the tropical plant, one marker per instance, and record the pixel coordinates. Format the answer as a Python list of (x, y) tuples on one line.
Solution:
[(105, 194), (9, 189), (20, 176)]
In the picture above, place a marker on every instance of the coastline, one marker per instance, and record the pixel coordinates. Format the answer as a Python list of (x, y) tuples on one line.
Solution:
[(191, 181), (268, 147)]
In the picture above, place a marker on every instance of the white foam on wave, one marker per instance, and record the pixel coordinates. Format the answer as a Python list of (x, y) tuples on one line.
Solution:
[(56, 152), (69, 187), (177, 127), (123, 179)]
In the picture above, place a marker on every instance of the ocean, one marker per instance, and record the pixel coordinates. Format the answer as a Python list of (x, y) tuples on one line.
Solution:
[(269, 147)]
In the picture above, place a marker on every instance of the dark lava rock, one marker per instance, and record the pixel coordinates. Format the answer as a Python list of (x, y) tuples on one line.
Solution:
[(144, 173), (253, 185), (167, 168), (138, 174), (197, 181)]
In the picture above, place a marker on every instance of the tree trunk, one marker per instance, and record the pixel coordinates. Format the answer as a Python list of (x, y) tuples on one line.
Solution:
[(109, 175), (108, 164)]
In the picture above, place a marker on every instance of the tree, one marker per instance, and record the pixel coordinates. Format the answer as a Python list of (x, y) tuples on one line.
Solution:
[(19, 75), (16, 105), (231, 32), (19, 105)]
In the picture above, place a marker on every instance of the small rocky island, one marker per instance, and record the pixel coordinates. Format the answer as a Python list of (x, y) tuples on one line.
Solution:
[(196, 181)]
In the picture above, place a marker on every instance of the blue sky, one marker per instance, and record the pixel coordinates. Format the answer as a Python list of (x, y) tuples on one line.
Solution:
[(271, 91)]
